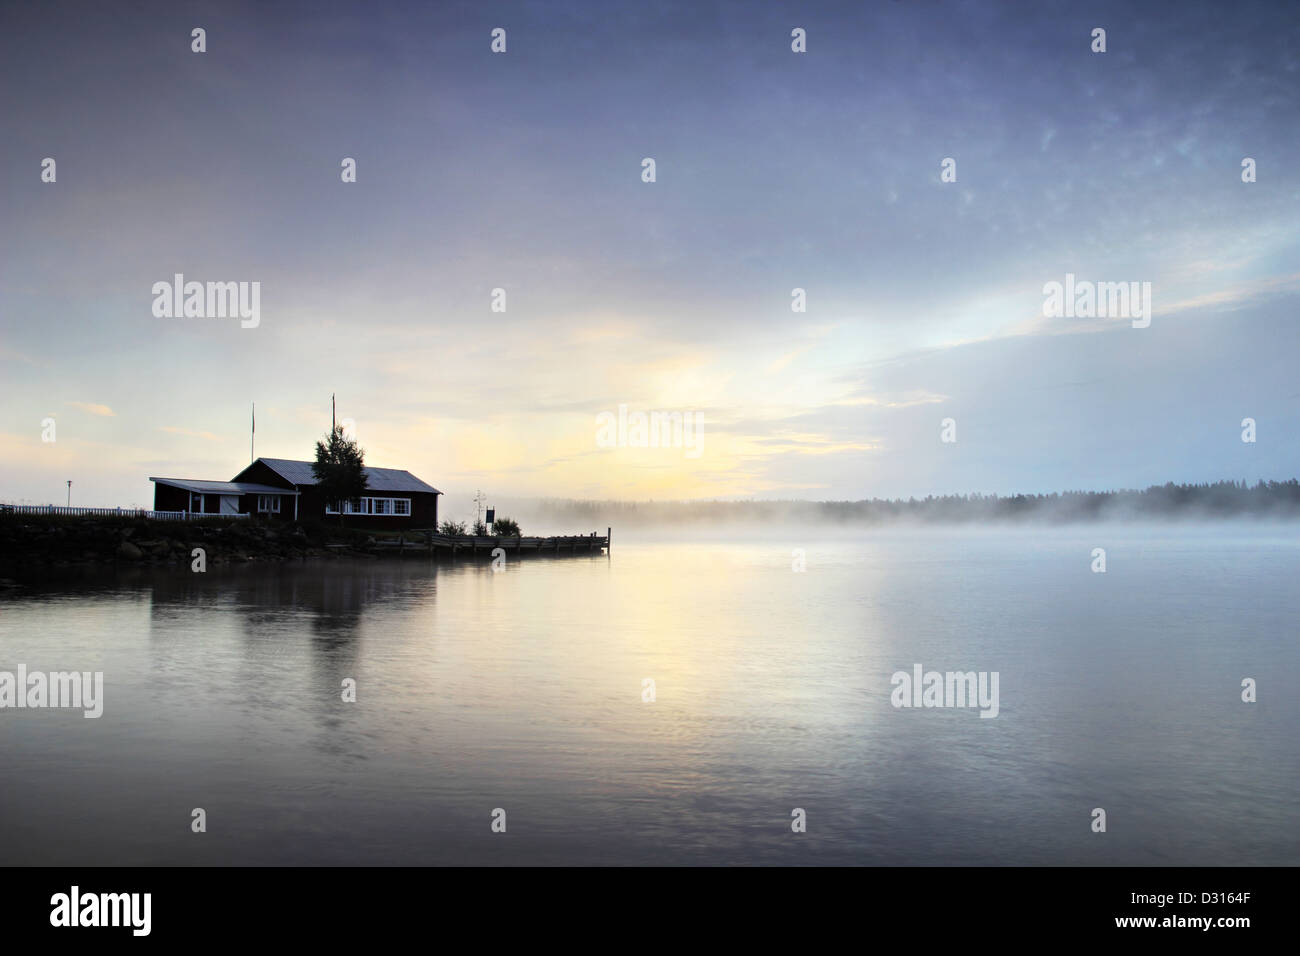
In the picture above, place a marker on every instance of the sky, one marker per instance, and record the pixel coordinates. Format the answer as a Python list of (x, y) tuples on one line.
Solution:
[(774, 171)]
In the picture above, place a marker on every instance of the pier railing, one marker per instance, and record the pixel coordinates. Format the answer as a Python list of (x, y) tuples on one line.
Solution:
[(115, 513), (422, 539)]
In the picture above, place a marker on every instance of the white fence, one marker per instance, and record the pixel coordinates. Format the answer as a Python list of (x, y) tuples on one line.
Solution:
[(113, 512)]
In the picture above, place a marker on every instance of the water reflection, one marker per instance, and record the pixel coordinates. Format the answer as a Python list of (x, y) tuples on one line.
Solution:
[(523, 689)]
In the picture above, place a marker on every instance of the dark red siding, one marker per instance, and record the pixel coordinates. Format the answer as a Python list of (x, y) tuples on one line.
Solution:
[(260, 473), (424, 510), (311, 505), (167, 498)]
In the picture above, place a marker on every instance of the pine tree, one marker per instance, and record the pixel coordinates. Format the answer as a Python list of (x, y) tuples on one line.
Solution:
[(339, 469)]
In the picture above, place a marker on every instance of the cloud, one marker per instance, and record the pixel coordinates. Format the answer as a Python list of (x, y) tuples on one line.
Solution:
[(781, 363), (906, 400), (12, 355), (176, 430), (93, 408)]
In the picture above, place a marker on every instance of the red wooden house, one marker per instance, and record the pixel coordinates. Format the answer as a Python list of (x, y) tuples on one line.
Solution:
[(285, 489)]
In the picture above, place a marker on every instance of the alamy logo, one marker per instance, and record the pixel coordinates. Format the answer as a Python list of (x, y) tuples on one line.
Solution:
[(76, 689), (1098, 300), (208, 300), (950, 689), (103, 909), (651, 430)]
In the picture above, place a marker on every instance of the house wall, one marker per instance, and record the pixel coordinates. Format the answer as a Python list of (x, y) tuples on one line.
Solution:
[(424, 510), (311, 504), (248, 506), (259, 473), (167, 498)]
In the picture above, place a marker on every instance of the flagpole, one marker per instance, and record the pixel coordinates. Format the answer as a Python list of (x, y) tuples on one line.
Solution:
[(252, 436)]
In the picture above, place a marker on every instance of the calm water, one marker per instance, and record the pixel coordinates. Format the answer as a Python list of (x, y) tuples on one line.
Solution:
[(523, 690)]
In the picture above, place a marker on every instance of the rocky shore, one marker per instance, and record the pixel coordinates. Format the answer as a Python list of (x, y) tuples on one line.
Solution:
[(37, 542)]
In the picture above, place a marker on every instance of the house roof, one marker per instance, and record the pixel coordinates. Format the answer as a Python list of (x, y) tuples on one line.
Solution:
[(377, 479), (201, 487)]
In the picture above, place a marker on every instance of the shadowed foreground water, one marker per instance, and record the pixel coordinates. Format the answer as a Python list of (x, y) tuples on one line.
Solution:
[(523, 690)]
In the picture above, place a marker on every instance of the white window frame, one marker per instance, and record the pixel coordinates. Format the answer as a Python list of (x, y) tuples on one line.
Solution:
[(268, 504), (366, 506)]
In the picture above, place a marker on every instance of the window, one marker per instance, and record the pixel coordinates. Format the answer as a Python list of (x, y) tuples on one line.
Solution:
[(374, 506), (268, 504)]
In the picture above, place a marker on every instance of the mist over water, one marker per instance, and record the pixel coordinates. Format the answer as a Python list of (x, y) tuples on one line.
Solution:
[(523, 690), (1219, 501)]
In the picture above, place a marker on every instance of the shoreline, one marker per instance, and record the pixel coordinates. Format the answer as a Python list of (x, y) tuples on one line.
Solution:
[(57, 547)]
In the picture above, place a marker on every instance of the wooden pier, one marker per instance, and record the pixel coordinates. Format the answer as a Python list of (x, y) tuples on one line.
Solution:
[(483, 546)]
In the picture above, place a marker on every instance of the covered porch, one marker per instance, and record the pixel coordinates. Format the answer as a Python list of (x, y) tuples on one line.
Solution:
[(196, 496)]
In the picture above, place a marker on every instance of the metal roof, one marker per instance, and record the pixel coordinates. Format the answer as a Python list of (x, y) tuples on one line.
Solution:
[(222, 487), (377, 479)]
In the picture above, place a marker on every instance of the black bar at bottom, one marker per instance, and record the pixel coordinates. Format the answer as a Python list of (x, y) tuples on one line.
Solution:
[(912, 906)]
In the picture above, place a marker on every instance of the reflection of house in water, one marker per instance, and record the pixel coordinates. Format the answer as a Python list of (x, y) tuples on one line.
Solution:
[(284, 638), (327, 597)]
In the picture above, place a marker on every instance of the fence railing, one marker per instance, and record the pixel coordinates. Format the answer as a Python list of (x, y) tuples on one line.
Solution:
[(115, 513)]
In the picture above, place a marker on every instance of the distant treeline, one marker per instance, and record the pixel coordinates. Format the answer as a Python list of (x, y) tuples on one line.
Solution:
[(1221, 499)]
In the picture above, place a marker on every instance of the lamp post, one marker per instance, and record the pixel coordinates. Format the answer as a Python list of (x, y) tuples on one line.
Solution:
[(69, 492)]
